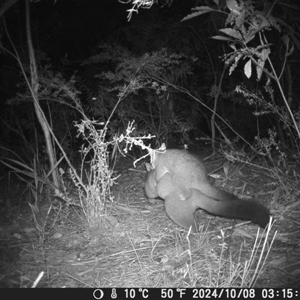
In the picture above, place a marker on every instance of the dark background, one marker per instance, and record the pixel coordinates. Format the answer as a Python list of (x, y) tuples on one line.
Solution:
[(77, 41)]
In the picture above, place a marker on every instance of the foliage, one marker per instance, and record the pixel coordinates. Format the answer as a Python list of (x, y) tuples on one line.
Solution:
[(145, 4), (246, 33), (264, 108), (126, 67), (59, 101), (38, 184), (151, 99)]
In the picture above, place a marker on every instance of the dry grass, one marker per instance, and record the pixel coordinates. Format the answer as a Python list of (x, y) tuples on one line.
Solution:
[(135, 244), (144, 250)]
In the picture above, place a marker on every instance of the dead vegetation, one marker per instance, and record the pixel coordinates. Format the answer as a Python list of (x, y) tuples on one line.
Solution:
[(134, 244)]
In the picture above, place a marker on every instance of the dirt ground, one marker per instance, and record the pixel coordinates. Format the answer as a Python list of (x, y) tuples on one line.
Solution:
[(135, 244)]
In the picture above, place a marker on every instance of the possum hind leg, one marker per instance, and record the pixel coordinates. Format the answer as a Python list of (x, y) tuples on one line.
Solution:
[(177, 204), (160, 184), (180, 212), (168, 184)]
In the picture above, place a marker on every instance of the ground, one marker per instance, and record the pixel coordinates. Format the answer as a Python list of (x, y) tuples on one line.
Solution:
[(135, 244)]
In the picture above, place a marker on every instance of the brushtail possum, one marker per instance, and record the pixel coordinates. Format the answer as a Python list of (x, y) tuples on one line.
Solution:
[(180, 179)]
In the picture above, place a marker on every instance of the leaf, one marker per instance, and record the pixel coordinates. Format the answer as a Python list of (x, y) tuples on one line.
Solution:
[(234, 7), (221, 38), (112, 220), (293, 205), (201, 10), (226, 168), (232, 32), (242, 232), (274, 22), (261, 62), (278, 261), (286, 40), (232, 46), (204, 8), (248, 69), (235, 58)]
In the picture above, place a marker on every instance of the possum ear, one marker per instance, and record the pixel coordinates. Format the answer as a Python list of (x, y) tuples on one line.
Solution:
[(150, 186), (148, 167)]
